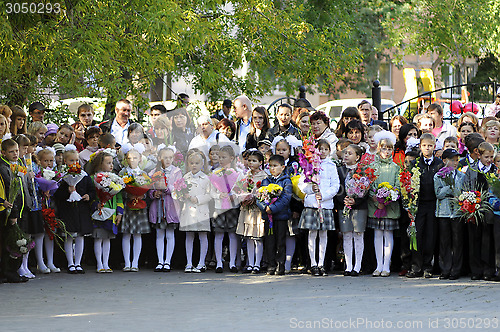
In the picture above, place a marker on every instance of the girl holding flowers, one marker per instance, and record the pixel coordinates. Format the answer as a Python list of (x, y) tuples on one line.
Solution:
[(135, 215), (383, 217), (324, 192), (75, 214), (250, 222), (194, 191), (108, 210), (164, 211)]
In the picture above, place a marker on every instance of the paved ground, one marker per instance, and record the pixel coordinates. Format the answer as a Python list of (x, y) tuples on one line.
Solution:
[(147, 301)]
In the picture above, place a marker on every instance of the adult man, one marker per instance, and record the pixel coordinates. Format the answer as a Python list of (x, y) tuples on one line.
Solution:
[(37, 111), (208, 136), (85, 114), (224, 112), (493, 109), (365, 112), (182, 100), (284, 126), (441, 129), (243, 109), (118, 125)]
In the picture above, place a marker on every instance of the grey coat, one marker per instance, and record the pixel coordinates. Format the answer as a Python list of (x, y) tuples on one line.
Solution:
[(445, 208)]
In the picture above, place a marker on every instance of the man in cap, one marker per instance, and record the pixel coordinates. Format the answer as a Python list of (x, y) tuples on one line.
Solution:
[(37, 111)]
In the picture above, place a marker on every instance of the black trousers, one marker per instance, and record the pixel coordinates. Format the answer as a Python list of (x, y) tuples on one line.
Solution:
[(451, 249), (9, 265), (427, 228), (496, 236), (275, 243), (405, 253), (481, 248)]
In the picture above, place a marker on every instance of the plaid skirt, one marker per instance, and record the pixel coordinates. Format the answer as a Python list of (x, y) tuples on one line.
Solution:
[(310, 220), (135, 221), (354, 222), (163, 224), (386, 224), (225, 220)]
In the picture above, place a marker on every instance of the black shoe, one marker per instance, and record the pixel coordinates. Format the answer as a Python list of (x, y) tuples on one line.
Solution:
[(496, 278), (413, 274), (79, 269), (219, 270), (488, 277), (247, 269), (453, 277), (315, 271), (322, 271), (234, 269), (271, 271), (158, 268), (72, 269), (347, 273), (16, 279), (475, 277), (444, 276), (354, 274)]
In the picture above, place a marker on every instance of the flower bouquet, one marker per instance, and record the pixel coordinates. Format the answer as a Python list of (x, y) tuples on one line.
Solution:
[(493, 183), (15, 186), (181, 189), (137, 185), (295, 177), (472, 206), (410, 187), (53, 226), (245, 187), (358, 183), (446, 173), (47, 179), (224, 181), (268, 195), (310, 161), (385, 195), (17, 242), (73, 175), (107, 185)]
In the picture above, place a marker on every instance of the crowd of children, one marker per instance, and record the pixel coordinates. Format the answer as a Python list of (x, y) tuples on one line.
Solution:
[(300, 220)]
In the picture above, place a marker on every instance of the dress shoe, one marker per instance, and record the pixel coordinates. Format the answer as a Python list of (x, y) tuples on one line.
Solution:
[(413, 274), (354, 274), (453, 277), (402, 273), (475, 277), (347, 273), (444, 276), (427, 274)]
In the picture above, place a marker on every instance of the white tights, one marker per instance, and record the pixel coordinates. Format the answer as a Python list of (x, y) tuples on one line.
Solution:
[(189, 248), (233, 248), (49, 251), (359, 246), (126, 249), (384, 242), (74, 257), (162, 236), (39, 250), (290, 250), (311, 243), (102, 247), (255, 249)]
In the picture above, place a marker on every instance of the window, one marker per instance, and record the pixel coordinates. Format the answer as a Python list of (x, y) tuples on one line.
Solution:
[(385, 74)]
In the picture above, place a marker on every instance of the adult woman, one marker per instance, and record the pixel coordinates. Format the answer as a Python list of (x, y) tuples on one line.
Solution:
[(355, 131), (320, 128), (7, 112), (468, 117), (304, 122), (350, 113), (226, 127), (4, 128), (258, 127), (18, 124), (183, 130), (396, 123), (408, 130)]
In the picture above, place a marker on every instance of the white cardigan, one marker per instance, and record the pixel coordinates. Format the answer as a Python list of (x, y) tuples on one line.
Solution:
[(329, 185)]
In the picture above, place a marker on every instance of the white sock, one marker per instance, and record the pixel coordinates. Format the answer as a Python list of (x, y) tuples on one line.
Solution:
[(39, 251), (388, 245), (218, 248), (348, 250), (379, 247), (126, 248), (203, 248), (259, 251), (49, 251), (137, 249), (68, 248), (106, 249), (98, 252), (233, 248), (169, 235), (290, 250), (322, 247), (359, 247), (189, 248), (311, 244), (25, 263), (79, 243), (160, 245), (250, 252)]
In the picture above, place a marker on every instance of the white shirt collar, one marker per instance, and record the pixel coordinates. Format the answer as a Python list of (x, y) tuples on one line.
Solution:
[(480, 166)]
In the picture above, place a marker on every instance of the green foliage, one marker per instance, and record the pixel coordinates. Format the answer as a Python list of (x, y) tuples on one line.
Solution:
[(488, 70), (113, 49)]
